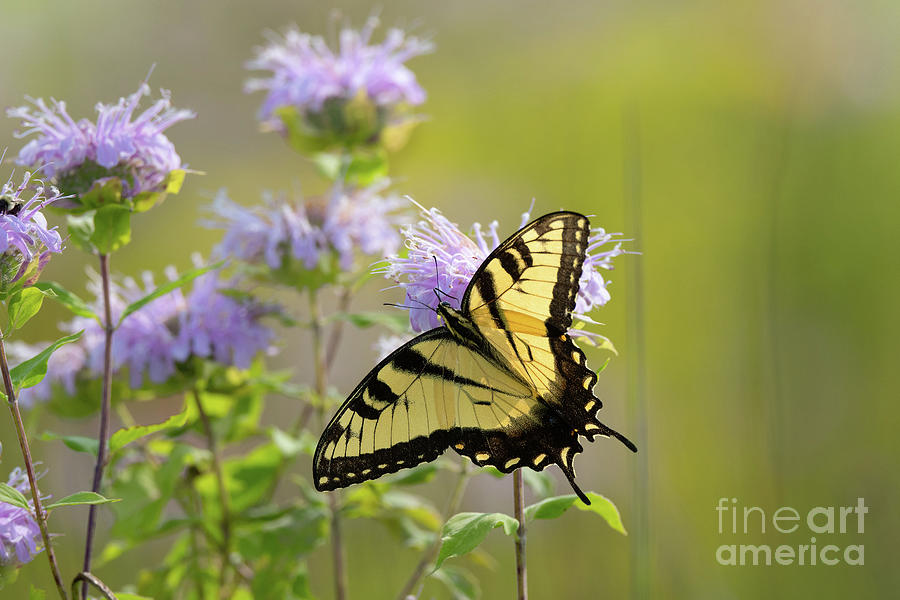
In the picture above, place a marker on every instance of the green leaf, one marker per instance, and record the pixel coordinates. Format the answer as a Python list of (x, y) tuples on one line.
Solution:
[(248, 479), (300, 135), (129, 596), (395, 135), (81, 229), (81, 498), (292, 446), (397, 321), (493, 471), (36, 593), (11, 495), (465, 531), (112, 228), (367, 167), (461, 584), (78, 443), (146, 200), (125, 436), (23, 305), (103, 193), (162, 290), (146, 490), (75, 304), (328, 164), (32, 371), (174, 181), (604, 507), (552, 508)]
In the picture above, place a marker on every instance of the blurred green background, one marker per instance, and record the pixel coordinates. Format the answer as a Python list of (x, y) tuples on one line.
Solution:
[(751, 146)]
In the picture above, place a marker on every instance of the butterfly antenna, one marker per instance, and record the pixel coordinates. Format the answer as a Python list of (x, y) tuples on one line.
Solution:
[(411, 307), (438, 291), (437, 279), (398, 305)]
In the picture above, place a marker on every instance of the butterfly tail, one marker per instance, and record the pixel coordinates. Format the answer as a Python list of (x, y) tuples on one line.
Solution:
[(570, 475), (566, 462), (610, 432)]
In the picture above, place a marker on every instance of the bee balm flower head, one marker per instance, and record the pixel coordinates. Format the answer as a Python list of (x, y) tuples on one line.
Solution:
[(321, 97)]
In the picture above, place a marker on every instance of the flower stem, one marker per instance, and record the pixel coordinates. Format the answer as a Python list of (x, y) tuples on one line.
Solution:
[(105, 401), (40, 514), (186, 497), (337, 330), (519, 504), (224, 498), (87, 578), (308, 410), (321, 375), (431, 552)]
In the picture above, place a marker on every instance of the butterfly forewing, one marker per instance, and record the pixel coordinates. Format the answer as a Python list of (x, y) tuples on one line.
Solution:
[(533, 274), (429, 395)]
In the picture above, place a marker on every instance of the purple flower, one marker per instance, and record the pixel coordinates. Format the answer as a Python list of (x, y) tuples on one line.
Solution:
[(441, 256), (131, 147), (280, 230), (144, 341), (25, 239), (222, 327), (20, 536), (305, 72), (215, 321)]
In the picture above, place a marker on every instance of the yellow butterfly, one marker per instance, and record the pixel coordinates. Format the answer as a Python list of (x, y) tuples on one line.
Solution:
[(501, 382)]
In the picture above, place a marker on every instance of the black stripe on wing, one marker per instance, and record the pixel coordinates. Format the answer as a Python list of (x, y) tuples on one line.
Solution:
[(331, 472), (518, 254)]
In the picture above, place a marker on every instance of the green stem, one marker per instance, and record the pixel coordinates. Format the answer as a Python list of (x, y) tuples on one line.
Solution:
[(519, 504), (337, 547), (89, 579), (637, 375), (39, 513), (431, 552), (105, 402), (189, 502), (307, 412), (337, 330), (224, 498)]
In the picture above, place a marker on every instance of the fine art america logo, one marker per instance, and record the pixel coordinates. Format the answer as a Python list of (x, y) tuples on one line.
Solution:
[(736, 520)]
